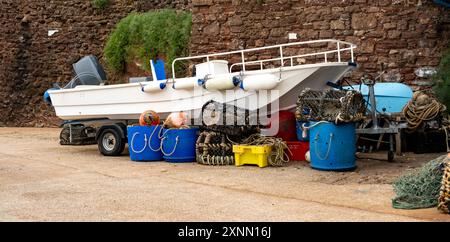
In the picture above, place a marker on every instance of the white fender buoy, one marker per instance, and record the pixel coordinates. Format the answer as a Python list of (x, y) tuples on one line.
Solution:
[(222, 82), (259, 82), (186, 83), (154, 86), (308, 156)]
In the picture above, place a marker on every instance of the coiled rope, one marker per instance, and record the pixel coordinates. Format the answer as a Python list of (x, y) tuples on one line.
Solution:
[(421, 108)]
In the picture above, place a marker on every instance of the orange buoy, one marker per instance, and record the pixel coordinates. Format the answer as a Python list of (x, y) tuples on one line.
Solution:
[(149, 118)]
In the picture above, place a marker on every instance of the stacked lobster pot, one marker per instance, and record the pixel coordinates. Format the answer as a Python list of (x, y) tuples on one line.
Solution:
[(213, 148), (327, 119), (222, 126)]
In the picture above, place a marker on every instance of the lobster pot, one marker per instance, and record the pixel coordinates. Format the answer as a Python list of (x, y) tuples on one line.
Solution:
[(178, 145), (213, 148), (144, 143), (333, 147)]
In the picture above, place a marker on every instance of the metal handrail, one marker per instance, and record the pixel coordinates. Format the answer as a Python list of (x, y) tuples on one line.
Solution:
[(260, 62), (281, 58)]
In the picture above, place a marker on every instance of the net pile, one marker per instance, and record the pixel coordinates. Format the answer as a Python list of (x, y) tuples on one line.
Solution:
[(419, 188), (444, 198), (331, 105)]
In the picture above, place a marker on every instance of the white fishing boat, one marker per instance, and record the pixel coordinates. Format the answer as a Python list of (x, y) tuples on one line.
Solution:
[(279, 79)]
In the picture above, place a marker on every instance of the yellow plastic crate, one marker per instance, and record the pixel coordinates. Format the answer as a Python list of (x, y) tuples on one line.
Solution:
[(252, 155)]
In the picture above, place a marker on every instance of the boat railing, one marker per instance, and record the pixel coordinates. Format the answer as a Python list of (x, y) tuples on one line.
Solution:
[(341, 48)]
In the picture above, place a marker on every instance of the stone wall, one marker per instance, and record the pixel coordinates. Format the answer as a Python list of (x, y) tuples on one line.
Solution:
[(31, 61), (404, 34)]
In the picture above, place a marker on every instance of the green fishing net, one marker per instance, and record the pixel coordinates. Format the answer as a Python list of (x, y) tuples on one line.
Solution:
[(420, 187)]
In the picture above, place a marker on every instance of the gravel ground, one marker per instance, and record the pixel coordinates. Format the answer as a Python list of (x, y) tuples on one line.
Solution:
[(43, 181)]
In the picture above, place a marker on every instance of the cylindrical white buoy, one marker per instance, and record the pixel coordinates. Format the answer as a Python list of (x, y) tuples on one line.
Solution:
[(259, 82), (154, 86), (186, 83), (218, 83)]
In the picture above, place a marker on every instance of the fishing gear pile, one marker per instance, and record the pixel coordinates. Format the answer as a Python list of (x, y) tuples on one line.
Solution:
[(222, 122), (421, 187), (338, 106), (444, 196)]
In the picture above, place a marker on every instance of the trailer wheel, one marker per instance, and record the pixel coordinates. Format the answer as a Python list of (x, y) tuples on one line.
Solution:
[(110, 143)]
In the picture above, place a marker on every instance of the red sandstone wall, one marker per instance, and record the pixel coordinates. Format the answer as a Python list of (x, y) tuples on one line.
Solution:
[(404, 34)]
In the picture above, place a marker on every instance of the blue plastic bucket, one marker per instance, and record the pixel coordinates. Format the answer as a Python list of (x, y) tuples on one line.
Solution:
[(333, 147), (144, 143), (299, 125), (178, 145)]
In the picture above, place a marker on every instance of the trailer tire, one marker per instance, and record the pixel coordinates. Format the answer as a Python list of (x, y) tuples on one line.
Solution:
[(110, 142)]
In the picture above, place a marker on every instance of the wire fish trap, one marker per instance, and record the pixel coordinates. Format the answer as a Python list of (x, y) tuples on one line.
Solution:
[(213, 148), (337, 106), (229, 119), (77, 134), (444, 195)]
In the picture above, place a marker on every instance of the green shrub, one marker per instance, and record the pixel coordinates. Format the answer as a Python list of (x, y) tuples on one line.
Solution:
[(143, 36), (100, 4), (442, 80)]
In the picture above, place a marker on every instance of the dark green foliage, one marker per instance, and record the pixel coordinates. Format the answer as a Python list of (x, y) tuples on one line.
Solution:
[(100, 4), (142, 36), (442, 80)]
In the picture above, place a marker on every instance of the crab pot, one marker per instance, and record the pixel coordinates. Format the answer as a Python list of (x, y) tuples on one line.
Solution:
[(333, 147), (144, 143), (178, 145)]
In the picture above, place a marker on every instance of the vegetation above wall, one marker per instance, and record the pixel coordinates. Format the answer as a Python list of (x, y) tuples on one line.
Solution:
[(442, 87), (140, 37)]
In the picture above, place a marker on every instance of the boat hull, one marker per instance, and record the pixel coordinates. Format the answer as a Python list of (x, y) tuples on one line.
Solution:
[(128, 101)]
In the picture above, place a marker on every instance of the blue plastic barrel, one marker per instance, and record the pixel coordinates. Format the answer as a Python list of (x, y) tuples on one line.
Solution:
[(178, 145), (299, 125), (144, 143), (332, 147)]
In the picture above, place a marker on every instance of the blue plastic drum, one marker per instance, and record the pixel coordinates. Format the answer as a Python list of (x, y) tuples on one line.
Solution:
[(333, 147), (178, 145), (144, 143)]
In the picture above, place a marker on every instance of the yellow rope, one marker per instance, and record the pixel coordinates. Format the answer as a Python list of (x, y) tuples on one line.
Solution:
[(421, 108)]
